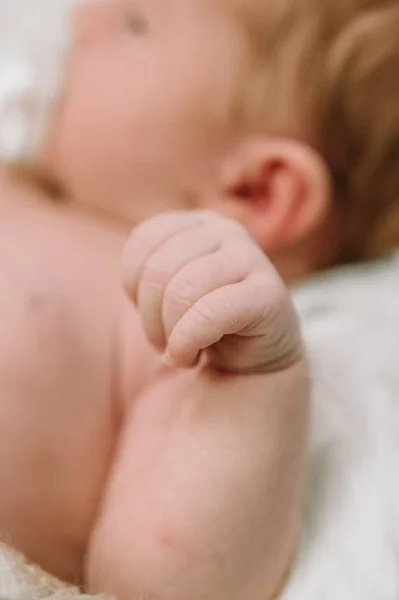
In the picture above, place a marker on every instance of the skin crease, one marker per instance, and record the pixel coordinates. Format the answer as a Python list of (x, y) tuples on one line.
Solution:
[(119, 471)]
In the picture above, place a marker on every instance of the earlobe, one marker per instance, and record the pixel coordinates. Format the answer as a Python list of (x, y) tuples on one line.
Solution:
[(279, 189)]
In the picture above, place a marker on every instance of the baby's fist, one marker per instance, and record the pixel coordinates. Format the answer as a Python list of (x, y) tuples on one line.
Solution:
[(202, 284)]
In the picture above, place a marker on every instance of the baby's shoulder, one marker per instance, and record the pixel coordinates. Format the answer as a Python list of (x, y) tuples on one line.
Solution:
[(58, 278), (58, 312)]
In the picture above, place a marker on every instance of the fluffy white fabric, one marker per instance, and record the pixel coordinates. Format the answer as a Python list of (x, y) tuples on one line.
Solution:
[(34, 39), (350, 544), (18, 580)]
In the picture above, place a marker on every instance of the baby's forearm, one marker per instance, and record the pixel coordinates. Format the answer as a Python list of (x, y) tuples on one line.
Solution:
[(206, 496)]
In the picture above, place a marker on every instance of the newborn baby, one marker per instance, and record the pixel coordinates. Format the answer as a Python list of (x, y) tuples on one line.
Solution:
[(125, 471), (154, 443)]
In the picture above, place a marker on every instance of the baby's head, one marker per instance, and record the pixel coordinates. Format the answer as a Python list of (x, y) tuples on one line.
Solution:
[(284, 115)]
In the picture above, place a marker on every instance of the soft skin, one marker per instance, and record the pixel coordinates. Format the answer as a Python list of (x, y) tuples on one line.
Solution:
[(129, 475)]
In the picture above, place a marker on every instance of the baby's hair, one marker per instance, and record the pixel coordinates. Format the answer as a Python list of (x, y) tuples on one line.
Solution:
[(327, 71)]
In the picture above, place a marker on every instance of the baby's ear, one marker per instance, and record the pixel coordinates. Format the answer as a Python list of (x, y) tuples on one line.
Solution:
[(94, 19), (279, 189)]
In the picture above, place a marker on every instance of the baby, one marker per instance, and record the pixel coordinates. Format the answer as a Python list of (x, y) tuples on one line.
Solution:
[(154, 443)]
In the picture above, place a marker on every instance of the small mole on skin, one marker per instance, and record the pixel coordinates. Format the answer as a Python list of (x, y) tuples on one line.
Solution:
[(40, 299), (36, 301), (168, 540)]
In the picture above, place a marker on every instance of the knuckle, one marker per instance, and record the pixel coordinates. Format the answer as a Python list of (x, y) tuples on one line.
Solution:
[(177, 303), (155, 272), (180, 291), (206, 314)]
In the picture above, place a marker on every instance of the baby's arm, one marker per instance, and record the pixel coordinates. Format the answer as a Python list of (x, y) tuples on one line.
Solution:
[(205, 497)]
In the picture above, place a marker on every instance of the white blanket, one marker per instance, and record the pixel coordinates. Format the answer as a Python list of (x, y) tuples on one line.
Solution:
[(350, 543), (350, 546), (34, 41)]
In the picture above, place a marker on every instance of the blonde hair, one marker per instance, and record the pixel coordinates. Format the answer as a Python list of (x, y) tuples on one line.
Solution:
[(332, 76)]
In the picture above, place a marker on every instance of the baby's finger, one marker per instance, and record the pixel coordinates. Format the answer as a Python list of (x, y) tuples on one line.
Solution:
[(213, 317), (198, 279), (148, 237), (177, 253)]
